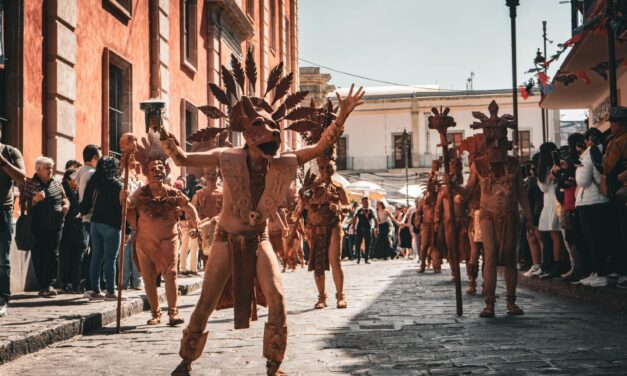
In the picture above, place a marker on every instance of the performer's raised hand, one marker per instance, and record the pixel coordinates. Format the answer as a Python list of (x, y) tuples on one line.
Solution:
[(348, 104), (169, 144)]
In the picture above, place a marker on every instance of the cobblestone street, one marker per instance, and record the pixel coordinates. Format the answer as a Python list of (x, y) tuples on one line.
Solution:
[(397, 323)]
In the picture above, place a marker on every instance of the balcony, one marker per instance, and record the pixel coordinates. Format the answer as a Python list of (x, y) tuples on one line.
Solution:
[(230, 14)]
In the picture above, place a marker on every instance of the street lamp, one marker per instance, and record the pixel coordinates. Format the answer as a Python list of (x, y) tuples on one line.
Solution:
[(512, 4), (540, 59), (406, 144)]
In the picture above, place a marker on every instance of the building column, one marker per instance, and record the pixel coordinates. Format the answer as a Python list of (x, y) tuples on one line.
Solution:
[(164, 53), (415, 130), (60, 80)]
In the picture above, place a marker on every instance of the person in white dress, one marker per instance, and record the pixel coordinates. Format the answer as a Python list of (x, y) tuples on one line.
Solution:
[(549, 220)]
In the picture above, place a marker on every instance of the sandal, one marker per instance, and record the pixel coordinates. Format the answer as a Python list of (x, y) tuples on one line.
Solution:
[(341, 302), (175, 320), (322, 301), (156, 318)]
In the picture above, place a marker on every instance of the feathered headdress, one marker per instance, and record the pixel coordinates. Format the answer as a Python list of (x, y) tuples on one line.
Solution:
[(238, 78), (150, 150), (313, 126), (475, 147), (495, 126)]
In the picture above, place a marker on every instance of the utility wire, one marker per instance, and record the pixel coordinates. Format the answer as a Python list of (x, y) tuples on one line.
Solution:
[(374, 79)]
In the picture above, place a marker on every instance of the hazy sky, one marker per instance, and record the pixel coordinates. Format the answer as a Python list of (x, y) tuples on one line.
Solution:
[(422, 42)]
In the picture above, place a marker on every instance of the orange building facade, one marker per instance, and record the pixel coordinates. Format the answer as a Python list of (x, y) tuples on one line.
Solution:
[(76, 71)]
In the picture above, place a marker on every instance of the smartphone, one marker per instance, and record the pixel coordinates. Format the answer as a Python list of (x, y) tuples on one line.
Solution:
[(556, 157)]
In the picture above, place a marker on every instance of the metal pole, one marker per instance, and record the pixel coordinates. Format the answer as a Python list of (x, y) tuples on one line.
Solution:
[(512, 4), (118, 317), (611, 42), (574, 17), (545, 125)]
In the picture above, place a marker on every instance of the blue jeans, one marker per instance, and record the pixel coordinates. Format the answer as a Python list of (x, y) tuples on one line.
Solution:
[(130, 276), (105, 242), (6, 230)]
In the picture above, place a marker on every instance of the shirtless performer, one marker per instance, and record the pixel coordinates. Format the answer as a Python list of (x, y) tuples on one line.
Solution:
[(154, 212), (208, 203), (475, 146), (324, 204), (461, 213), (256, 179), (499, 179), (425, 218)]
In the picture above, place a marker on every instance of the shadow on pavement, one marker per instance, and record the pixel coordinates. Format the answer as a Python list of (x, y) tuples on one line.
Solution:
[(411, 328)]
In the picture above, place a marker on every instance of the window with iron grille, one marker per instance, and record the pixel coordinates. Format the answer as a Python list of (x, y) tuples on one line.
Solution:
[(116, 108), (189, 38), (524, 141), (273, 24)]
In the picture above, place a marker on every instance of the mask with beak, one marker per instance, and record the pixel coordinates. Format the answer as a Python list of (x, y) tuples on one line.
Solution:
[(258, 118)]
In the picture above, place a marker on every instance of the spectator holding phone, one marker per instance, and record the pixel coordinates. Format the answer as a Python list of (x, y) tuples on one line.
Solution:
[(593, 210)]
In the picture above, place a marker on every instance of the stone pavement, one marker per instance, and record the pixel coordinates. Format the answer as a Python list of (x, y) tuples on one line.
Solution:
[(34, 323), (397, 323)]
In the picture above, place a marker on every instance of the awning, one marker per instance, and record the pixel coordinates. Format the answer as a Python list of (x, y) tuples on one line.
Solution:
[(591, 51)]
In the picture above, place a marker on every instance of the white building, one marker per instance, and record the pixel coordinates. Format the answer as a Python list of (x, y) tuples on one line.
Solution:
[(373, 136)]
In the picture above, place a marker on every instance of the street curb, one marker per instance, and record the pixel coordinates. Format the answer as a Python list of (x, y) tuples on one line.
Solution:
[(607, 298), (81, 324)]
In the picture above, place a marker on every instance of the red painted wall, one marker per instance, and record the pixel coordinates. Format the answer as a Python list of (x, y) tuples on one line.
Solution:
[(33, 85)]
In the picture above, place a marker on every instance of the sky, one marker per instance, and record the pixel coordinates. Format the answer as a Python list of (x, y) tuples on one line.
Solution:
[(425, 42)]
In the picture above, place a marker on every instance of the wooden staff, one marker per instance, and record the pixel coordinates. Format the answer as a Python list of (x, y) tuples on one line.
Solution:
[(441, 122), (128, 146)]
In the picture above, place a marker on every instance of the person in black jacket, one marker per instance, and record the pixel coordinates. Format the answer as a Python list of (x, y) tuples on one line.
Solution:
[(43, 197), (72, 246), (103, 195)]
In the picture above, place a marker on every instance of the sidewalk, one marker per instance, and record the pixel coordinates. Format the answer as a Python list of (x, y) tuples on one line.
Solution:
[(33, 323), (606, 298)]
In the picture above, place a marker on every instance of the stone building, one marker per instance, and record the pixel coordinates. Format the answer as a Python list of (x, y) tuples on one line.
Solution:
[(373, 136), (76, 70)]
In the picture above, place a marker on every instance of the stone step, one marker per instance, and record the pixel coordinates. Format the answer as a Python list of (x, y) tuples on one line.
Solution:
[(34, 323)]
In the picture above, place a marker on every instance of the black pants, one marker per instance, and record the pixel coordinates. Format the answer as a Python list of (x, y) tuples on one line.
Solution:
[(362, 235), (593, 225), (6, 230), (71, 252), (45, 257), (86, 264), (618, 240)]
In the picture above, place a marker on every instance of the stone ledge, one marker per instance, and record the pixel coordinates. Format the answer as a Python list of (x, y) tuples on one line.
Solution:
[(13, 348), (609, 298)]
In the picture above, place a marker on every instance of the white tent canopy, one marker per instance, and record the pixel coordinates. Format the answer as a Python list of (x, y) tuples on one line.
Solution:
[(413, 190)]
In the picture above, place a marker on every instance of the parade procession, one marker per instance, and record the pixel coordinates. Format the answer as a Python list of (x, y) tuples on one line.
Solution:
[(186, 157)]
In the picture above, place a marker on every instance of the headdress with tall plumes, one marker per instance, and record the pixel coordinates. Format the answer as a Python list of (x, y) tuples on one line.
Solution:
[(313, 126), (494, 127), (235, 81), (150, 150), (475, 147)]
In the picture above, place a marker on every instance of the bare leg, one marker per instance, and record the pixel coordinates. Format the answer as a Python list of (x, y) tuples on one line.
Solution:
[(556, 237), (149, 275), (336, 267), (535, 247), (275, 333), (218, 271), (511, 280), (322, 294), (424, 245), (489, 265)]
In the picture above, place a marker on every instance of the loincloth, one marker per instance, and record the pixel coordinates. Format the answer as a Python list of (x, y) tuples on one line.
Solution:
[(320, 241), (428, 229), (242, 292), (502, 228), (162, 253)]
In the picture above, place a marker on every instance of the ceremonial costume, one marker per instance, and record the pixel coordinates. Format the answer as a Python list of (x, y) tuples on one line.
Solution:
[(154, 211), (256, 180), (499, 179)]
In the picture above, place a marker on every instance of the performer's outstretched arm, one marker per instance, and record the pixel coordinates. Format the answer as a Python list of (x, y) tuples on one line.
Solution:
[(334, 131), (182, 158)]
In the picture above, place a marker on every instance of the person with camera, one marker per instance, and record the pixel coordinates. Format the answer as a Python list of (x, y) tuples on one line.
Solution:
[(569, 221), (11, 171), (549, 221), (615, 169), (593, 210)]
